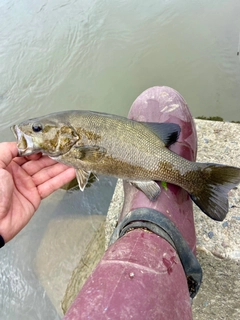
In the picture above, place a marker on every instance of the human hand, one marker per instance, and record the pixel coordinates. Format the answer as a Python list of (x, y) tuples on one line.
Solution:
[(24, 182)]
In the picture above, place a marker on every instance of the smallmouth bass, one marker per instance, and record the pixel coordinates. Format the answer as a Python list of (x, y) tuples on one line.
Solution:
[(138, 152)]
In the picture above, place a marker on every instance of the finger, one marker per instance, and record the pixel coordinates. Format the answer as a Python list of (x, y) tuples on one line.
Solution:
[(48, 187), (34, 156), (48, 173), (8, 151), (34, 166), (21, 160)]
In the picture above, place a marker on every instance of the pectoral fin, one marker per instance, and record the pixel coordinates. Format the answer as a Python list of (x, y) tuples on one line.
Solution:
[(89, 153), (82, 178), (150, 188)]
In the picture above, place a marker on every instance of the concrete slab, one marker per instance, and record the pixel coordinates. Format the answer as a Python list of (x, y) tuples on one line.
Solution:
[(86, 265), (58, 256)]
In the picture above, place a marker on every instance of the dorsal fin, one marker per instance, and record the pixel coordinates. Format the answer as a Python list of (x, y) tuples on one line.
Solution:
[(167, 132)]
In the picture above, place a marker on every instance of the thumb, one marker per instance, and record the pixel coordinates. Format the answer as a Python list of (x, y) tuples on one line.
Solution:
[(8, 151)]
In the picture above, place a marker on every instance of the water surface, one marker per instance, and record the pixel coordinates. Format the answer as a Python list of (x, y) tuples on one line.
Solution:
[(99, 55)]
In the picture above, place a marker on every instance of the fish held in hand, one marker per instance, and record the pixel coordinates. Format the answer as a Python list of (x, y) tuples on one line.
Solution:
[(138, 152)]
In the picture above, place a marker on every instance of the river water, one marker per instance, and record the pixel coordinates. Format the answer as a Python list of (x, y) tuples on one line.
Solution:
[(100, 55)]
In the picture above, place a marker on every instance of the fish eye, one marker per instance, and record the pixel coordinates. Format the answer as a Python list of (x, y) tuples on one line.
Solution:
[(37, 127)]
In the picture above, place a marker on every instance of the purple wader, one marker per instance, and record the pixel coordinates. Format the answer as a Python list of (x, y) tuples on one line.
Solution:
[(141, 275)]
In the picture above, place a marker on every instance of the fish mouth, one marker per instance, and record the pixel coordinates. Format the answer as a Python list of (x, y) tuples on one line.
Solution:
[(24, 142)]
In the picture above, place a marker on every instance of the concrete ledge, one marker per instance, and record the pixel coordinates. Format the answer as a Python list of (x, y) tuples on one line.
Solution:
[(218, 297), (86, 265), (63, 264)]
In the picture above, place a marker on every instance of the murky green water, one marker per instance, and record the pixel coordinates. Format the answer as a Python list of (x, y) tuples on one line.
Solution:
[(99, 55)]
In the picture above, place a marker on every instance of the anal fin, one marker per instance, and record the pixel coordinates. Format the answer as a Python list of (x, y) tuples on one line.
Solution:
[(150, 188)]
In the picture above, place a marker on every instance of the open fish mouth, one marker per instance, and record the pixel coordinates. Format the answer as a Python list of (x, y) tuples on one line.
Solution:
[(24, 142)]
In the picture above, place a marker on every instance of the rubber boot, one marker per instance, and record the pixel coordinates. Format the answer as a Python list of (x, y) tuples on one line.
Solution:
[(164, 104), (141, 275)]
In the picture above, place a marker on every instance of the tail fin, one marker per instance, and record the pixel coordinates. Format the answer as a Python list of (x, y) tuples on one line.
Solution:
[(212, 198)]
